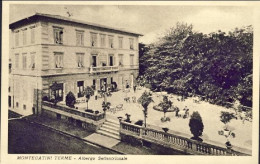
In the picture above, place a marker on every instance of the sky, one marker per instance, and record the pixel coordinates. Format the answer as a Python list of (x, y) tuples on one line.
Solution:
[(151, 21)]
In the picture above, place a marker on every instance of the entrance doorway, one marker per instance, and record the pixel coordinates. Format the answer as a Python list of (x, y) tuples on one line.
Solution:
[(102, 83), (57, 91)]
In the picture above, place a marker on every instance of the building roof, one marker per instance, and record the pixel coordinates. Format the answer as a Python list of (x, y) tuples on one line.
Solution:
[(67, 19)]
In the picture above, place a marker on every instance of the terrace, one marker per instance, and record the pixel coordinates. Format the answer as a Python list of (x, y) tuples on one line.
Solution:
[(210, 116)]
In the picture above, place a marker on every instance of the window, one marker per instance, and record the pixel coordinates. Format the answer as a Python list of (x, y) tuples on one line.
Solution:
[(131, 60), (24, 36), (56, 91), (94, 60), (17, 105), (58, 56), (79, 38), (9, 89), (9, 101), (32, 35), (16, 35), (94, 84), (120, 41), (16, 60), (80, 59), (131, 42), (102, 38), (111, 60), (93, 40), (58, 35), (120, 56), (24, 61), (24, 107), (111, 42), (32, 65), (80, 86), (10, 67)]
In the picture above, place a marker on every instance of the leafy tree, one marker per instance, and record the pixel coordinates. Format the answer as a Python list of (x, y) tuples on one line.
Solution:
[(196, 126), (145, 100), (88, 93), (70, 99), (226, 117), (165, 105), (217, 66), (106, 106)]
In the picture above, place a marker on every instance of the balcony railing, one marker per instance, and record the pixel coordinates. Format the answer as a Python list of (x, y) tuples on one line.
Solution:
[(174, 141), (103, 69)]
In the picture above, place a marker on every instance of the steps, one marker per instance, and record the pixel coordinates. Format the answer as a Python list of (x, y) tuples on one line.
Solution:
[(110, 128)]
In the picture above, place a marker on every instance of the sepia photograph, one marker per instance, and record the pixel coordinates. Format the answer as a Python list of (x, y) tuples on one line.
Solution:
[(90, 80)]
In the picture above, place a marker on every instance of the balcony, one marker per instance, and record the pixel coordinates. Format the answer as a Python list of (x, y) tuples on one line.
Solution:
[(103, 69), (129, 67)]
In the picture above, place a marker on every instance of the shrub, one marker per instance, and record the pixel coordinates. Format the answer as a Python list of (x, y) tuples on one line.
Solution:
[(164, 119), (139, 122), (70, 99), (196, 126), (89, 110)]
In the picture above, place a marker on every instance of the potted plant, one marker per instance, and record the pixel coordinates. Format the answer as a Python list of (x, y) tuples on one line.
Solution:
[(145, 100), (196, 126), (165, 129), (88, 93), (106, 106), (127, 117), (226, 117), (70, 100), (166, 104), (120, 118)]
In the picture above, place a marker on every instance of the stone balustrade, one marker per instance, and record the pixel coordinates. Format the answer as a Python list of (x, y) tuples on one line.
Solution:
[(173, 141), (103, 69), (92, 116)]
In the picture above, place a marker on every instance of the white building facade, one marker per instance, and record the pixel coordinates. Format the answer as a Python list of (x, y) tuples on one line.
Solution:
[(48, 49)]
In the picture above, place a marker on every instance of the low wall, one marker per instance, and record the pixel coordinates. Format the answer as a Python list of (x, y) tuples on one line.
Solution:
[(161, 141), (88, 121)]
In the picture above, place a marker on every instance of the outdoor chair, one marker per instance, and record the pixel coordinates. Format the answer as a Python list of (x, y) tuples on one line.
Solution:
[(119, 107), (112, 109)]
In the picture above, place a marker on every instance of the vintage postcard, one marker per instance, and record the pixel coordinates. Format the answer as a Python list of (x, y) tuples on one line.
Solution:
[(124, 82)]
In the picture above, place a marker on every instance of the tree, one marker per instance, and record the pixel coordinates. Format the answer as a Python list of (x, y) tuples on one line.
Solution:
[(217, 66), (106, 106), (226, 117), (70, 99), (196, 126), (145, 100), (88, 93), (165, 105)]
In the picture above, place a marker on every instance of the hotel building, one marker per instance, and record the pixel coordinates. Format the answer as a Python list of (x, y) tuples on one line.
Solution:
[(51, 49)]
